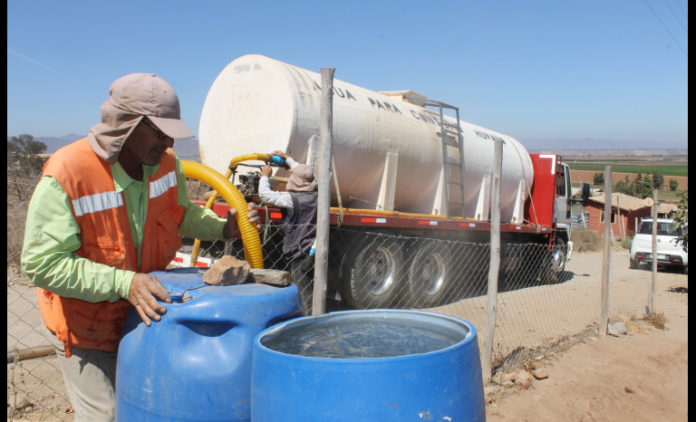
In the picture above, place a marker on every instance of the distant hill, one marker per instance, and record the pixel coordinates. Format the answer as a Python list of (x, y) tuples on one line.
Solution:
[(186, 149), (612, 152), (54, 143)]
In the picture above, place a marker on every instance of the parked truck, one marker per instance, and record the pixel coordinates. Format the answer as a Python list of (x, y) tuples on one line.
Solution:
[(404, 166)]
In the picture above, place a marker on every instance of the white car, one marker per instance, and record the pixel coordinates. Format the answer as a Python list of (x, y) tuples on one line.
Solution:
[(670, 252)]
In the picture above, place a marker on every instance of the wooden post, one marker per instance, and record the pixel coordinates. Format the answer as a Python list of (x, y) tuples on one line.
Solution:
[(321, 259), (653, 287), (635, 225), (492, 307), (604, 315), (30, 353), (622, 231)]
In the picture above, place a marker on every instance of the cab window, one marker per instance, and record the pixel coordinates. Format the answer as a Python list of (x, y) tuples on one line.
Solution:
[(667, 229)]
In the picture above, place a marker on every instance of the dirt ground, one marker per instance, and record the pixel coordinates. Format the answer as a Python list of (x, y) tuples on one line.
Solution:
[(638, 376)]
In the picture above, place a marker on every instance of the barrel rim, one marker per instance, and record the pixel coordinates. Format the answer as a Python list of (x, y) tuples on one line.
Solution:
[(470, 337)]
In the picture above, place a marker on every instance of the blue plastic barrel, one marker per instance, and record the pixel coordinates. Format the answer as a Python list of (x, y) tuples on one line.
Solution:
[(368, 365), (195, 363)]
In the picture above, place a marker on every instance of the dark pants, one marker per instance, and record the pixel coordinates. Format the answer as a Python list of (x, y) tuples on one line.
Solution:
[(302, 273)]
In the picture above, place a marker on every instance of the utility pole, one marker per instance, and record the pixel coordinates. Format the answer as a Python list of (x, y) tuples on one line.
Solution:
[(321, 259), (604, 315), (653, 287), (494, 265)]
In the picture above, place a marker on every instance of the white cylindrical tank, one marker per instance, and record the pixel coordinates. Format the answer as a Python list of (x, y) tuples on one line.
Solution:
[(258, 104)]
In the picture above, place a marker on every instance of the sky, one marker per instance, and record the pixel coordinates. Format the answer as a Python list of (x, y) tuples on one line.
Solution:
[(567, 74)]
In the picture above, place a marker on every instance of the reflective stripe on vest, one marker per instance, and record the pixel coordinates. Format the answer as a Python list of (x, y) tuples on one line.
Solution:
[(163, 184), (97, 202)]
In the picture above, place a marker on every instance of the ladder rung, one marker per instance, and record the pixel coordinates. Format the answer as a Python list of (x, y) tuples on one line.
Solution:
[(451, 137)]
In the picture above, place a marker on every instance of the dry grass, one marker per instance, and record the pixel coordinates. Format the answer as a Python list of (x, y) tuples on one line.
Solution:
[(19, 190), (585, 240), (658, 320), (196, 189)]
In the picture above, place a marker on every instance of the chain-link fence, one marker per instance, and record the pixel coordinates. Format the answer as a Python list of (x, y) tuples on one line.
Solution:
[(35, 389), (537, 308)]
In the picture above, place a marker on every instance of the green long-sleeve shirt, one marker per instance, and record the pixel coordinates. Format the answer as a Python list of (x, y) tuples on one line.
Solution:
[(52, 236)]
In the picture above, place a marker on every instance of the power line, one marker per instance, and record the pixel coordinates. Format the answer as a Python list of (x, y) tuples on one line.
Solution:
[(676, 17), (665, 26), (682, 9)]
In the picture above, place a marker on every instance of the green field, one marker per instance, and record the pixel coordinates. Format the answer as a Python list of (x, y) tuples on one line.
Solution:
[(676, 169), (675, 165)]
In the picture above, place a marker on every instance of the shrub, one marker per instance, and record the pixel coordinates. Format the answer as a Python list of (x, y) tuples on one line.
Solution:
[(585, 240)]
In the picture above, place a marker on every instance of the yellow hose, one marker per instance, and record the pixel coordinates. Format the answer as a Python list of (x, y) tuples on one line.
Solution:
[(250, 236), (214, 194), (228, 174)]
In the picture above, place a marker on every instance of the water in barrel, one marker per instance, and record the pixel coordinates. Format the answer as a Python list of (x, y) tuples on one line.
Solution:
[(363, 338)]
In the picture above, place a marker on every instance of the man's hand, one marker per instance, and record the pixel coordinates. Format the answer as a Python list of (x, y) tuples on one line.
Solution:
[(231, 229), (282, 155), (141, 295), (266, 171)]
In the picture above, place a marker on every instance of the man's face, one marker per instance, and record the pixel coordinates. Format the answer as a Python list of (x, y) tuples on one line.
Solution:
[(146, 144)]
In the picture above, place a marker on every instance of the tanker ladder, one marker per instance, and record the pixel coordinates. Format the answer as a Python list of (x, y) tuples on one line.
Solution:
[(452, 164)]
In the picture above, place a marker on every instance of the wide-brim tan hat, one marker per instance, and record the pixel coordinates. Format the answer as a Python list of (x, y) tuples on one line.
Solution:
[(149, 95), (132, 97)]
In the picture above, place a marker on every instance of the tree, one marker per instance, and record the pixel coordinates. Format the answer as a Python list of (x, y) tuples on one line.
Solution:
[(23, 153), (26, 144), (642, 187), (681, 217), (598, 179), (624, 186), (673, 185), (658, 181)]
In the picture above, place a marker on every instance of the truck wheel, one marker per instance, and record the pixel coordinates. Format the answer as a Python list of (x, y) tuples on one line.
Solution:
[(375, 276), (632, 264), (429, 276), (554, 264)]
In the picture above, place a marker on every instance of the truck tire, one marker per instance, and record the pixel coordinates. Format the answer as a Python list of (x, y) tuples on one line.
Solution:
[(429, 276), (632, 264), (374, 275), (554, 264)]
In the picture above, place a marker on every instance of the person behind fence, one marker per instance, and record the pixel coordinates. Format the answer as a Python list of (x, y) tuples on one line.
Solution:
[(299, 223), (108, 210)]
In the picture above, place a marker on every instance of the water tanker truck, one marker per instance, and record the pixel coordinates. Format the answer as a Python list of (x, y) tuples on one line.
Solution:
[(404, 166)]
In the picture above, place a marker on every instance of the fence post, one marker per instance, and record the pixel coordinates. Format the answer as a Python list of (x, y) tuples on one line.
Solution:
[(492, 307), (622, 232), (321, 259), (651, 301), (604, 316)]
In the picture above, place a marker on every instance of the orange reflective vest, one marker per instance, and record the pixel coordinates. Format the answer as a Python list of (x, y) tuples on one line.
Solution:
[(100, 213)]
